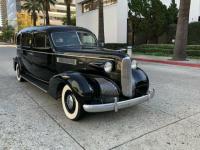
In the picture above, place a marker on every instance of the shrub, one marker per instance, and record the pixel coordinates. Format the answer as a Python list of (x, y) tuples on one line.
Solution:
[(194, 32), (8, 33), (115, 46), (166, 49)]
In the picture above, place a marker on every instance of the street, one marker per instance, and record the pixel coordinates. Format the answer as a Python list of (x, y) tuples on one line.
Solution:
[(31, 119)]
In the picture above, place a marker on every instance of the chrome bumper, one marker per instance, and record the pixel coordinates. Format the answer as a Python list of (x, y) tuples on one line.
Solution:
[(119, 105)]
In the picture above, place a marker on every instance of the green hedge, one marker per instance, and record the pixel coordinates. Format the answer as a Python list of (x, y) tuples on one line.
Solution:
[(165, 49), (115, 46)]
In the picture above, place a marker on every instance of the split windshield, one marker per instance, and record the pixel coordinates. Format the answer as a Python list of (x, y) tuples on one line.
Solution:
[(74, 39)]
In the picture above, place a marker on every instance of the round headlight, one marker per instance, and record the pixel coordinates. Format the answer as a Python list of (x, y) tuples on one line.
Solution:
[(108, 66), (134, 64)]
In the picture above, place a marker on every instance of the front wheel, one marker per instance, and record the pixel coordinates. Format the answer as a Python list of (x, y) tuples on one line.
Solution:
[(72, 108)]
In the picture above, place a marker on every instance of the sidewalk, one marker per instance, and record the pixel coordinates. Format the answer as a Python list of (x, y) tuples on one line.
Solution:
[(4, 44), (167, 60)]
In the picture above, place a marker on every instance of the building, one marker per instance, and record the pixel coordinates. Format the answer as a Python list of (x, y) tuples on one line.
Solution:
[(56, 12), (116, 25), (3, 13)]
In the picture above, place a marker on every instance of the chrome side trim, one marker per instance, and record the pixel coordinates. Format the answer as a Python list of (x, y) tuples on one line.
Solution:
[(127, 80), (119, 105), (69, 55)]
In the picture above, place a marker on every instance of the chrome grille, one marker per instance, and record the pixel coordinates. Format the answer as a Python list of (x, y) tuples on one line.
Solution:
[(127, 81)]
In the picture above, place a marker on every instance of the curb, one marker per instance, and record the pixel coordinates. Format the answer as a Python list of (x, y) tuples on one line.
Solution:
[(169, 62)]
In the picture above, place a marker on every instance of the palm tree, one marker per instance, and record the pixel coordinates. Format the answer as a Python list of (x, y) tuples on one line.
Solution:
[(101, 36), (32, 7), (46, 6), (68, 15), (182, 30)]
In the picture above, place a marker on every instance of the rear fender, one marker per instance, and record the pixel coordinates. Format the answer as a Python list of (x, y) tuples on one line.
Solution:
[(16, 61), (79, 85)]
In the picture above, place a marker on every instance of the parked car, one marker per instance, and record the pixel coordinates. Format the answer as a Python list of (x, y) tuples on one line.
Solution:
[(68, 63)]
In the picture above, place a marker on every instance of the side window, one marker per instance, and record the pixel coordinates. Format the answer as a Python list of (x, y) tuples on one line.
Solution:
[(26, 40), (41, 41)]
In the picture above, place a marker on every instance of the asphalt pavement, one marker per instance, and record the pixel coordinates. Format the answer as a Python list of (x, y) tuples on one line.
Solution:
[(31, 119)]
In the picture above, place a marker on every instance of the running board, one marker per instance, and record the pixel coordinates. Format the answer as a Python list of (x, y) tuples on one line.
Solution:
[(39, 84)]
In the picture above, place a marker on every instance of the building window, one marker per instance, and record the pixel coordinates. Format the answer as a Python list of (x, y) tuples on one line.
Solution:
[(93, 4)]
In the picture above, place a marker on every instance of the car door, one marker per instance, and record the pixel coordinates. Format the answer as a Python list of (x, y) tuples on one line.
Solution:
[(25, 51), (43, 57)]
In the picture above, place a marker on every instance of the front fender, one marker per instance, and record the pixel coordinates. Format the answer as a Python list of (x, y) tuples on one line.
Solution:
[(141, 82), (79, 85)]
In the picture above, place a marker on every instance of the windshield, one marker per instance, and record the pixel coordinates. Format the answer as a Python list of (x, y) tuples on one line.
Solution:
[(72, 38)]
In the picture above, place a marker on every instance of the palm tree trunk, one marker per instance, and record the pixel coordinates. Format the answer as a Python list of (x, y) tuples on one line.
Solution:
[(47, 12), (101, 36), (34, 18), (69, 13), (182, 31)]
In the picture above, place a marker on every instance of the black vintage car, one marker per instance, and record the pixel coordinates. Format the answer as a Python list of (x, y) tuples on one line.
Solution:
[(68, 63)]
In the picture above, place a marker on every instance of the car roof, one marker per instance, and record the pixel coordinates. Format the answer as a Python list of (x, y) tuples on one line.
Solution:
[(52, 28)]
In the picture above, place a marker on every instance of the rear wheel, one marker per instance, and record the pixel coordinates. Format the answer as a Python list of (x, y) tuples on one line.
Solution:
[(18, 74), (72, 108)]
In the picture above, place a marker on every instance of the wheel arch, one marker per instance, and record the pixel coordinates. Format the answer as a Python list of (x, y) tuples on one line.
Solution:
[(77, 82), (16, 61)]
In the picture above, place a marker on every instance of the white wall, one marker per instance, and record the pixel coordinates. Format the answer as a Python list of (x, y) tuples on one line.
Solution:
[(115, 21), (122, 16)]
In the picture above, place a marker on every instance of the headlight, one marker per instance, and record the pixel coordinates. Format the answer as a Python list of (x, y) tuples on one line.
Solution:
[(134, 64), (108, 66)]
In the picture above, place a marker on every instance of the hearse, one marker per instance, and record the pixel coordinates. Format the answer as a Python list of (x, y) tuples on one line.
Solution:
[(68, 63)]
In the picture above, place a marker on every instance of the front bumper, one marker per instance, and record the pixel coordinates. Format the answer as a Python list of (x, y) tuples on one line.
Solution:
[(119, 105)]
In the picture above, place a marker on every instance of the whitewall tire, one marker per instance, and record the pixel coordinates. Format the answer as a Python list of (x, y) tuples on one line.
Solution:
[(72, 108), (18, 74)]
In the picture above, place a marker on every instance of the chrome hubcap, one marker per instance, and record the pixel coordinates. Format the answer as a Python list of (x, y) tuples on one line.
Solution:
[(70, 103)]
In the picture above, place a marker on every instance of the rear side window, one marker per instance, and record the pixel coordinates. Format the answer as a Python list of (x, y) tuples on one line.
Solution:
[(19, 39), (41, 41), (26, 40)]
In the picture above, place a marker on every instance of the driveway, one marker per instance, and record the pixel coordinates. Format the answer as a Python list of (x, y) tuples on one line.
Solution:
[(31, 119)]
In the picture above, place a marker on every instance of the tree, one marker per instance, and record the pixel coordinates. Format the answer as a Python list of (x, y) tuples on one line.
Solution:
[(157, 20), (73, 21), (68, 12), (23, 20), (46, 6), (182, 30), (8, 33), (172, 13), (32, 7), (101, 36), (138, 11), (149, 17)]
